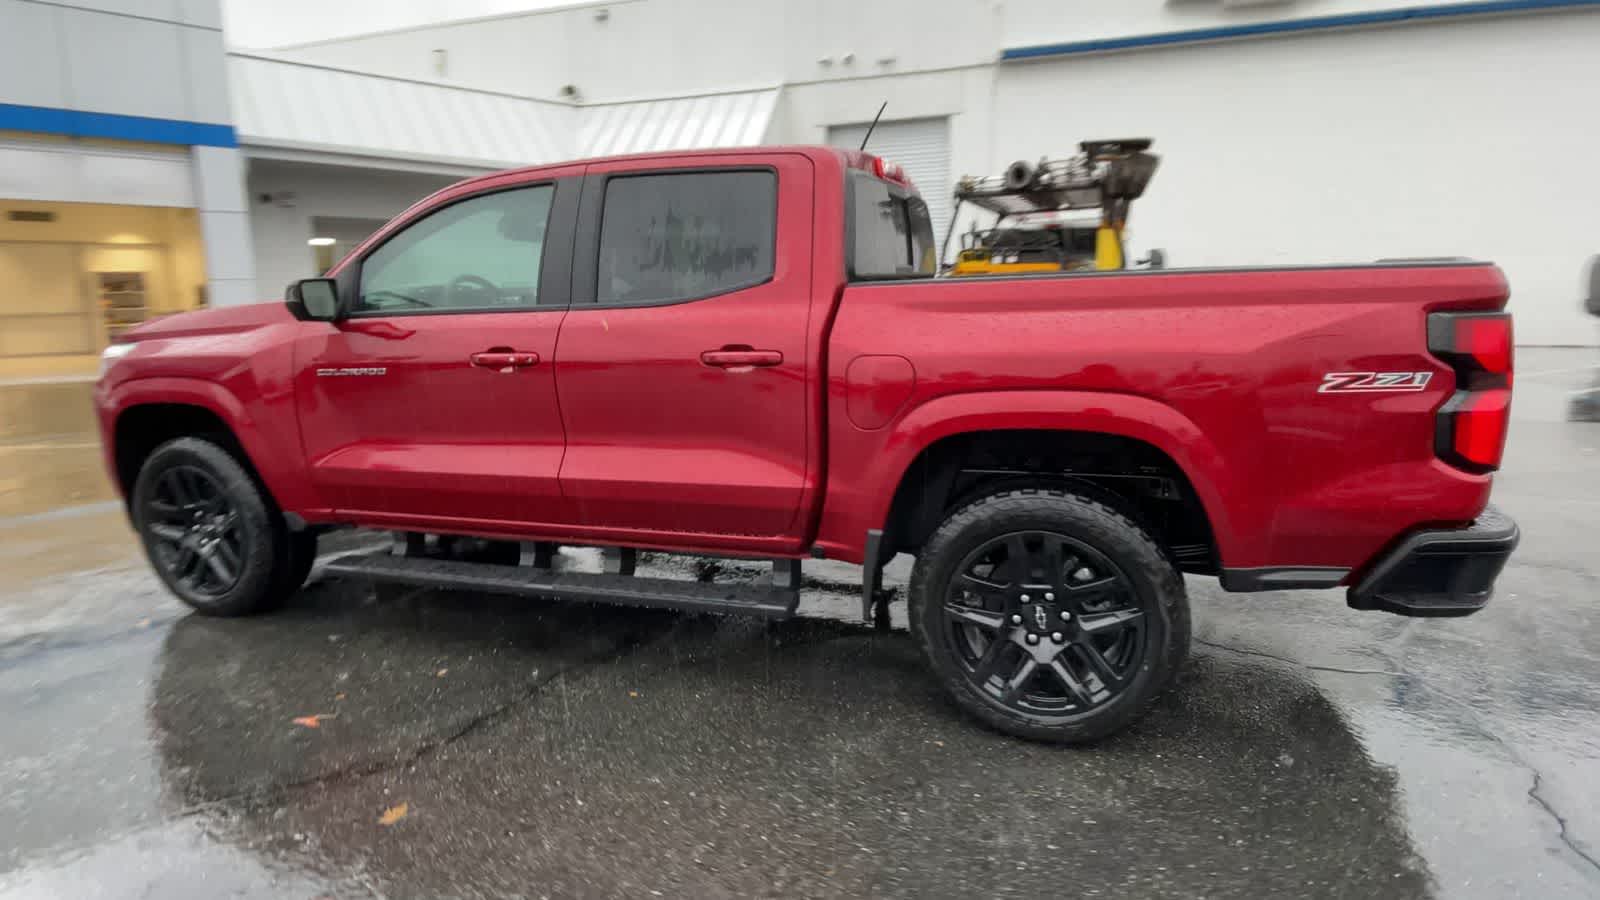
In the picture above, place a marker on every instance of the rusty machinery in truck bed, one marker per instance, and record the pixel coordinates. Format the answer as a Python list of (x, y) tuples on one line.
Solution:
[(1033, 230)]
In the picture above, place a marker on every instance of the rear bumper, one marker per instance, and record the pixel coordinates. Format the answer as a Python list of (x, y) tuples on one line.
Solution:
[(1445, 572)]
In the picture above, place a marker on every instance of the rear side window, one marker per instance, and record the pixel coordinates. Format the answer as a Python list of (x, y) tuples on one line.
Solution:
[(686, 235), (890, 232)]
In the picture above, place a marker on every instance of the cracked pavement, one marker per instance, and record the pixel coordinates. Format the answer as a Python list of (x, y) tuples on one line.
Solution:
[(542, 750)]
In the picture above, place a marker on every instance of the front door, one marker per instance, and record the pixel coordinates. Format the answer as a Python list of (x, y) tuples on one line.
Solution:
[(433, 402), (682, 368)]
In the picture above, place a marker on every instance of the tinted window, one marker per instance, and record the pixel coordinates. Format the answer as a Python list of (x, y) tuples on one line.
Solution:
[(891, 232), (481, 253), (686, 235)]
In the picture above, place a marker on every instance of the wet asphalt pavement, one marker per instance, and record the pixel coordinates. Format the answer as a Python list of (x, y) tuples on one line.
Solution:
[(469, 746)]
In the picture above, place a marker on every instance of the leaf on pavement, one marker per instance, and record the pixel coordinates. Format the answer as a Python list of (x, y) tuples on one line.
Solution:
[(440, 673), (314, 721), (394, 814)]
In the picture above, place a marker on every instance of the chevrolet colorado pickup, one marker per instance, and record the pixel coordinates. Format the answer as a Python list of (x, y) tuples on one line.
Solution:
[(745, 353)]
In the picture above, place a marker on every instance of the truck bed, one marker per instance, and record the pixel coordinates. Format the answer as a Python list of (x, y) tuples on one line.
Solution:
[(1219, 369)]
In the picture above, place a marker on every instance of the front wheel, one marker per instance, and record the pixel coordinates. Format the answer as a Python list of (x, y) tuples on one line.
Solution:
[(1049, 615), (209, 530)]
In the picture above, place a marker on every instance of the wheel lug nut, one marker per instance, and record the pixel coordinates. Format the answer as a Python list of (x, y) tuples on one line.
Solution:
[(1016, 619), (1024, 598), (1032, 638), (1049, 598), (1058, 637), (1066, 616)]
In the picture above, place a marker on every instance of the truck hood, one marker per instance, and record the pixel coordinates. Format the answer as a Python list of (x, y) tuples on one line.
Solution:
[(222, 320)]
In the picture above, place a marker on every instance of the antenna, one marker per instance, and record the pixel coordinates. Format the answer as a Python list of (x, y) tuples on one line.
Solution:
[(868, 136)]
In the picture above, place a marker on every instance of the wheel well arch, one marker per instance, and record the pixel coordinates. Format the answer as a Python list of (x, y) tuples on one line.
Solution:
[(143, 427), (1135, 476)]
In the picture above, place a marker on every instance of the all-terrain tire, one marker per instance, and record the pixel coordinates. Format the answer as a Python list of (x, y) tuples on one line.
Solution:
[(1153, 585)]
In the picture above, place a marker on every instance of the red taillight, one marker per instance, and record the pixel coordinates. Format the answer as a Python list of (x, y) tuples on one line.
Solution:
[(1472, 423), (1473, 427), (1472, 342), (888, 171), (876, 166)]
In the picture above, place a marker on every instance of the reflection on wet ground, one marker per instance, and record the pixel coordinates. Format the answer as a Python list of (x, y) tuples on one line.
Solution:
[(593, 751), (528, 749)]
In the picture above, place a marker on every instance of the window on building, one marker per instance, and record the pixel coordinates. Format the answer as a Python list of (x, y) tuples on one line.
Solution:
[(892, 235), (333, 237), (478, 254), (686, 235)]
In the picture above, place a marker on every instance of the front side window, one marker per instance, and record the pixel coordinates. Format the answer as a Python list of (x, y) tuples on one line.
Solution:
[(686, 235), (478, 254)]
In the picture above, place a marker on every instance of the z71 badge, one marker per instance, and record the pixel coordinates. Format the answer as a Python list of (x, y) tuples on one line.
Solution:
[(1366, 382)]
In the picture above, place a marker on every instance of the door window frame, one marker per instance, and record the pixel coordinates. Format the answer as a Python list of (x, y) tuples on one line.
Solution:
[(555, 257), (591, 211)]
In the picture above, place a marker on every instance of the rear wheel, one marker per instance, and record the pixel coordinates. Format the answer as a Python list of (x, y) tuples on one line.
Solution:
[(1049, 615), (209, 530)]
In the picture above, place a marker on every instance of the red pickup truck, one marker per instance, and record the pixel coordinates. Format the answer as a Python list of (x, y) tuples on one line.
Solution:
[(745, 353)]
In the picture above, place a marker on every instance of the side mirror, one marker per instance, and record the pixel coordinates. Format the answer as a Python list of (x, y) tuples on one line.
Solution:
[(314, 299), (1592, 303)]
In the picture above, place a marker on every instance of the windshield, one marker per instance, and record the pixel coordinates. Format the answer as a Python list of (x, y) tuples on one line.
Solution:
[(890, 235)]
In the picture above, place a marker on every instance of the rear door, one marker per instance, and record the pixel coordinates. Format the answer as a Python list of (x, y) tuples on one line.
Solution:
[(682, 364), (433, 403)]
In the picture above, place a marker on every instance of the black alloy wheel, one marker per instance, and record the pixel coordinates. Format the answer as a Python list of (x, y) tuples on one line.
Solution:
[(211, 531), (1045, 624), (196, 530), (1049, 614)]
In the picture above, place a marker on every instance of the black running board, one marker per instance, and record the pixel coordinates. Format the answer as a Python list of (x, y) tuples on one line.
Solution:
[(693, 596)]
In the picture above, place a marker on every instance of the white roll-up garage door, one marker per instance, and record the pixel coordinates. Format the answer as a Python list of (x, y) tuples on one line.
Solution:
[(921, 147)]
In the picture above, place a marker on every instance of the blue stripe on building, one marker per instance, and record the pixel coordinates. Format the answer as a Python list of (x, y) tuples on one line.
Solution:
[(1315, 23), (14, 117)]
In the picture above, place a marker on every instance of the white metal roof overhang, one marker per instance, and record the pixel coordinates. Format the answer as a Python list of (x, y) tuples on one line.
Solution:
[(294, 106)]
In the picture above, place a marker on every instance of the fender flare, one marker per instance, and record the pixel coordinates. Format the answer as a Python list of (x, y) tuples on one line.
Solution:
[(1124, 415), (288, 491)]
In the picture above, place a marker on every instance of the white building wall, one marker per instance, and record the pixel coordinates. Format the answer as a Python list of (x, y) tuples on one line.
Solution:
[(285, 197), (625, 50), (1033, 22), (654, 48), (1436, 137), (529, 57), (156, 59), (1465, 138)]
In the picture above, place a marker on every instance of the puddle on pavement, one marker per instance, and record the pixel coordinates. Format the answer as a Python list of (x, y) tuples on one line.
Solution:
[(725, 756)]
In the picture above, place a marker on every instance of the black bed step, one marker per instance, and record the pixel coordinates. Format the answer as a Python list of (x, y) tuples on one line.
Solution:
[(739, 599)]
